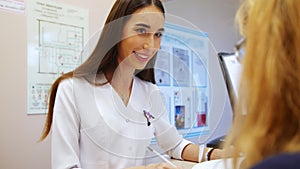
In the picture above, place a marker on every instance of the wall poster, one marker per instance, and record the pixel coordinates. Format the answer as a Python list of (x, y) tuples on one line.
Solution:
[(181, 74), (57, 34), (13, 5)]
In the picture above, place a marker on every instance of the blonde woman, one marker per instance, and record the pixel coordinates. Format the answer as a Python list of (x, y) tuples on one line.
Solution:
[(266, 130)]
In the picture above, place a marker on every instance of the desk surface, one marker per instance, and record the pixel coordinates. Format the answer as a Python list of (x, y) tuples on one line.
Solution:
[(184, 164)]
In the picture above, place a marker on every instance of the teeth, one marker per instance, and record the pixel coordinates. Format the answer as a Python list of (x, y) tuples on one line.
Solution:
[(144, 56)]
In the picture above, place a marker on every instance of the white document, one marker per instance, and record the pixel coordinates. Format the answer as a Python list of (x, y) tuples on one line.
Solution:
[(216, 164)]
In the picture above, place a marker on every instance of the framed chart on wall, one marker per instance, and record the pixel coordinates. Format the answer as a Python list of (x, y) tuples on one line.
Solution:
[(56, 34)]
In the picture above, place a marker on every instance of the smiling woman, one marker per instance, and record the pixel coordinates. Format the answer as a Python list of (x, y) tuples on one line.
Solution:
[(97, 112), (141, 37)]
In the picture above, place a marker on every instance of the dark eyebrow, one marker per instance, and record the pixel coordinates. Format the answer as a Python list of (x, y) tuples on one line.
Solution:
[(161, 29), (143, 25), (148, 26)]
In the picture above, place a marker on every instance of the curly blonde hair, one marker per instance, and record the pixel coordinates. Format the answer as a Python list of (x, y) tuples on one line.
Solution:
[(267, 116)]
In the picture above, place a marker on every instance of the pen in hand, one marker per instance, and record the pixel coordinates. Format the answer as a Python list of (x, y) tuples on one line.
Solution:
[(161, 156)]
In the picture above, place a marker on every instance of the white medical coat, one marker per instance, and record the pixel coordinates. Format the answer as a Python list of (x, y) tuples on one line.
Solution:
[(93, 129)]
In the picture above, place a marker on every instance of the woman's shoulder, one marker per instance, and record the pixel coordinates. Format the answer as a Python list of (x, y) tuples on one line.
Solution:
[(283, 160), (71, 81)]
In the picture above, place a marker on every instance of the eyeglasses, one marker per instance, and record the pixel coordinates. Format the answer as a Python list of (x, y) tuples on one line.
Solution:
[(239, 49)]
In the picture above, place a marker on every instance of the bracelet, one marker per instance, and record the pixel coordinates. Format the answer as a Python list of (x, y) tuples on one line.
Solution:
[(208, 154)]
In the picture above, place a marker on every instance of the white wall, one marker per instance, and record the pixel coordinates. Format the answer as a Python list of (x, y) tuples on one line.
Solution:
[(213, 16), (19, 131)]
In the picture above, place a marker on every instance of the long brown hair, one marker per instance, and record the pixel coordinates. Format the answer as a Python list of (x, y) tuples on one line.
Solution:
[(103, 58), (269, 84)]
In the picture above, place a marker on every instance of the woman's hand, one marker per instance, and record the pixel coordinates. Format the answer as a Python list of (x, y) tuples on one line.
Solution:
[(216, 154), (221, 153)]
